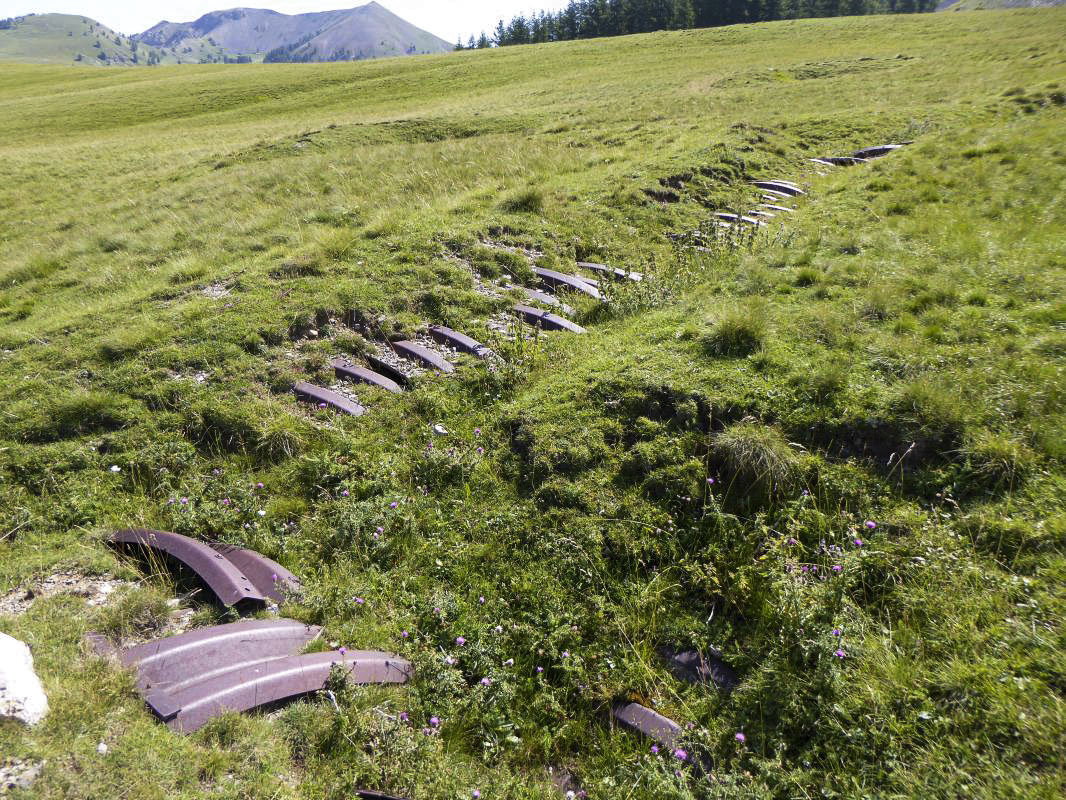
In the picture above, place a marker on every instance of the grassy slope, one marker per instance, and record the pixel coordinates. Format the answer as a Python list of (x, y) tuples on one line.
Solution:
[(916, 301), (60, 38)]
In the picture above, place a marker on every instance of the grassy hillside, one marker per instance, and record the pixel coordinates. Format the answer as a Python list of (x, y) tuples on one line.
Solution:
[(873, 384), (70, 39), (983, 5)]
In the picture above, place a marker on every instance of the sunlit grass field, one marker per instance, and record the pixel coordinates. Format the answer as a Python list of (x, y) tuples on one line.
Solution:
[(873, 383)]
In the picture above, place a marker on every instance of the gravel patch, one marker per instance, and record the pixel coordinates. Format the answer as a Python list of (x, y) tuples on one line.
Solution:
[(94, 590)]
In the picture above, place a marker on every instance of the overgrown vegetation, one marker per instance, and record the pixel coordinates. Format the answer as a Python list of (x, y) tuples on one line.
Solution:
[(831, 451)]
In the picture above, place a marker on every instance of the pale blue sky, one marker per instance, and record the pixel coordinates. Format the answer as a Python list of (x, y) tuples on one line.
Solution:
[(446, 19)]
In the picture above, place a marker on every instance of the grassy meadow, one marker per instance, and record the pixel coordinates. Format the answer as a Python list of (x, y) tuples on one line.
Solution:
[(834, 451)]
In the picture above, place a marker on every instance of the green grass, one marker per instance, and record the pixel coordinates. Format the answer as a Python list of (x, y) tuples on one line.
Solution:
[(892, 353)]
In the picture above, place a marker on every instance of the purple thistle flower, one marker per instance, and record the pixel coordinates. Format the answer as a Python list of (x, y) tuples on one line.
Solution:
[(394, 504), (274, 577), (404, 716), (475, 794), (837, 568), (359, 601), (486, 681), (434, 722), (566, 654), (342, 650), (792, 540), (840, 654), (477, 431), (837, 632), (185, 501), (540, 670), (426, 731), (459, 640), (344, 493), (680, 754), (259, 485), (804, 568), (740, 737), (481, 451), (870, 524), (404, 634), (481, 599), (321, 405), (449, 661), (655, 749)]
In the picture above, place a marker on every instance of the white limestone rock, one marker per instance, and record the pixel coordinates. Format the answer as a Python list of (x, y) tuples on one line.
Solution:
[(21, 695)]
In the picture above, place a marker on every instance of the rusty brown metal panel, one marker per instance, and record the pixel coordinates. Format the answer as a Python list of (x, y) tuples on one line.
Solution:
[(363, 375), (251, 686), (554, 280), (422, 354), (176, 660), (650, 723), (784, 187), (229, 584), (319, 396), (545, 320), (460, 341), (267, 575), (876, 151)]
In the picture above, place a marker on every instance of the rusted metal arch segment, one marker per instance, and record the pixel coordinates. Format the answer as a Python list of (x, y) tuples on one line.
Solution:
[(876, 151), (777, 208), (610, 272), (254, 685), (177, 660), (696, 667), (460, 341), (268, 576), (424, 355), (538, 296), (773, 194), (643, 720), (734, 218), (785, 187), (825, 162), (755, 212), (844, 161), (316, 394), (367, 794), (363, 375), (387, 369), (554, 280), (222, 577), (546, 320)]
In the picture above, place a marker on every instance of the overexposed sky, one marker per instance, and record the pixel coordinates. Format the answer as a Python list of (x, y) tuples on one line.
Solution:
[(449, 20)]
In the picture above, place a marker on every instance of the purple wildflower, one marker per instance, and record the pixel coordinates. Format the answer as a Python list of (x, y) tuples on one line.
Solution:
[(655, 749), (359, 601), (486, 681), (394, 504), (740, 737), (404, 716), (509, 662), (459, 640), (481, 599), (870, 524), (404, 634), (342, 650), (274, 577), (680, 754), (540, 670), (837, 632), (259, 485), (837, 568), (475, 794), (185, 501), (840, 654), (434, 722), (344, 493)]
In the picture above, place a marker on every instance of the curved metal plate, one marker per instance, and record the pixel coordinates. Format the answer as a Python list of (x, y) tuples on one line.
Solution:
[(427, 357), (780, 186), (176, 660), (695, 667), (367, 794), (844, 161), (319, 396), (734, 218), (643, 720), (823, 162), (876, 151), (387, 369), (546, 320), (254, 685), (267, 575), (757, 213), (222, 577), (554, 280), (460, 341), (538, 296), (363, 375), (772, 194), (610, 272), (777, 208)]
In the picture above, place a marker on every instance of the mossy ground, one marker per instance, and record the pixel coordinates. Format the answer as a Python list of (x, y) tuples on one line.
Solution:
[(892, 353)]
